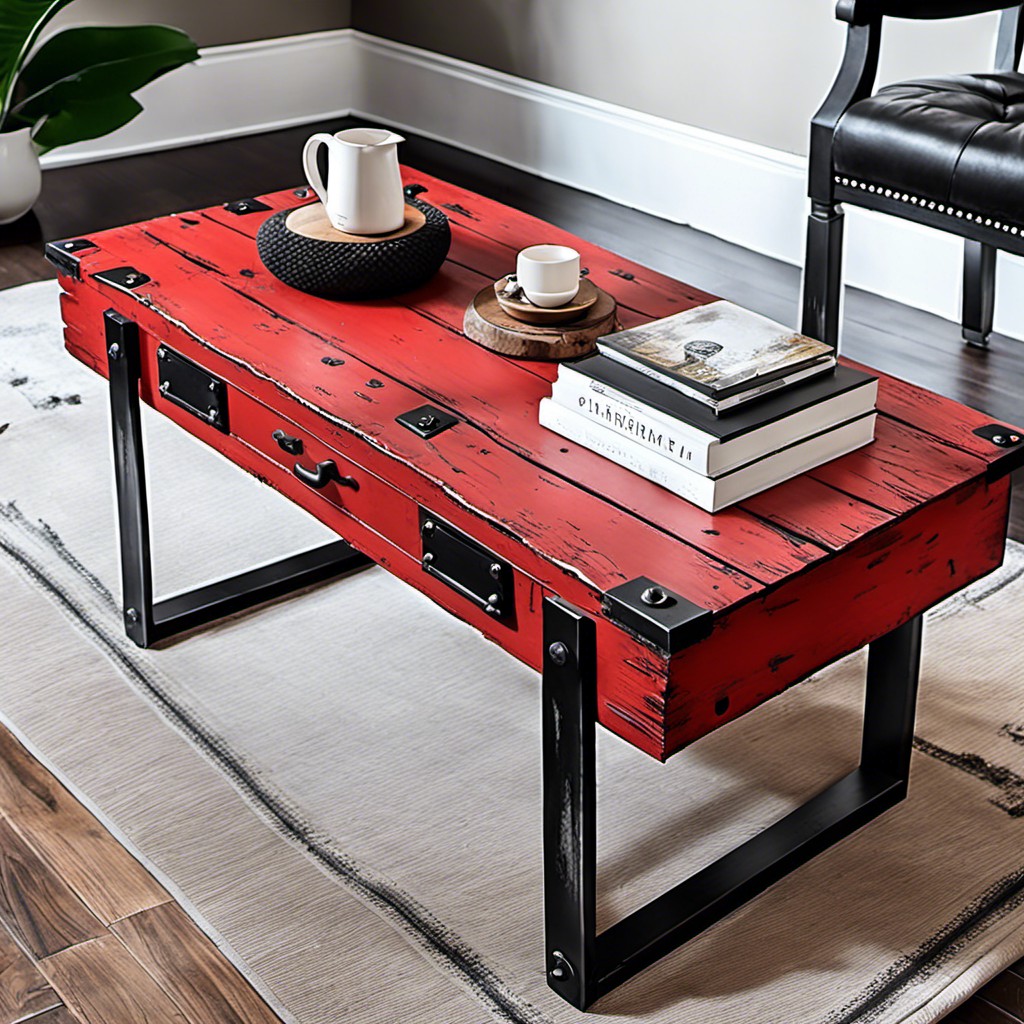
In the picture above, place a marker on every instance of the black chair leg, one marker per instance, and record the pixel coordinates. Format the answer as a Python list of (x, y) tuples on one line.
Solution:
[(823, 273), (979, 292)]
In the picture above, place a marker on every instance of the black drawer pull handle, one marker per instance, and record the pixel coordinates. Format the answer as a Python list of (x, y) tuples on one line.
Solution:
[(324, 473), (292, 445)]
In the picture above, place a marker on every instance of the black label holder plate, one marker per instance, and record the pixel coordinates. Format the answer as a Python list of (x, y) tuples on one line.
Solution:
[(467, 566), (192, 388)]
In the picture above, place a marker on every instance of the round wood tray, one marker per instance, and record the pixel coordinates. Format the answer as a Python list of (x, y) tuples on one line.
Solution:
[(524, 310), (489, 325), (304, 250)]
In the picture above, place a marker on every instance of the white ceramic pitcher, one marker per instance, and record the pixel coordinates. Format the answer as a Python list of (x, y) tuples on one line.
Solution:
[(363, 195)]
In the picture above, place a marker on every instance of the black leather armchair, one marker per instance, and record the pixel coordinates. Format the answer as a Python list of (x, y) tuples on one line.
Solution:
[(947, 152)]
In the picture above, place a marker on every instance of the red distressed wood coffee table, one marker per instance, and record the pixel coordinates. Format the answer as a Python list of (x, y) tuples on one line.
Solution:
[(422, 451)]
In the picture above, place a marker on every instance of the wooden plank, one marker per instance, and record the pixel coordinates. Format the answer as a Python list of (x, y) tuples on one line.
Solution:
[(59, 1015), (23, 990), (38, 907), (486, 235), (1006, 991), (948, 421), (876, 584), (108, 880), (978, 1010), (570, 527), (190, 968), (102, 983), (495, 394), (901, 469)]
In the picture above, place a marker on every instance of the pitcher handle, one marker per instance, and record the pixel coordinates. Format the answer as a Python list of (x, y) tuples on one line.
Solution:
[(309, 164)]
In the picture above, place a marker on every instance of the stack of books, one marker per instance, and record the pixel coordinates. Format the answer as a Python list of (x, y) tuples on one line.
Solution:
[(715, 403)]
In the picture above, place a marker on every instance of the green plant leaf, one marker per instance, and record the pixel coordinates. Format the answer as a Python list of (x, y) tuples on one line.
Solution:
[(86, 119), (83, 66), (20, 24)]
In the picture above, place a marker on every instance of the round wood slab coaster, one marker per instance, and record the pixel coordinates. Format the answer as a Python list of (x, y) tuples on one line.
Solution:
[(489, 325), (304, 250)]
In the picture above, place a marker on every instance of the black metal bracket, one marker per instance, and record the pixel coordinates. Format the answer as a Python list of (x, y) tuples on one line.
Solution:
[(426, 420), (583, 965), (657, 616), (126, 278), (244, 206), (1008, 438), (63, 255), (466, 566), (192, 388), (148, 622)]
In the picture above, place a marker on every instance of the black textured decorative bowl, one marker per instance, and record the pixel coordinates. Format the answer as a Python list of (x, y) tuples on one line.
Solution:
[(302, 249)]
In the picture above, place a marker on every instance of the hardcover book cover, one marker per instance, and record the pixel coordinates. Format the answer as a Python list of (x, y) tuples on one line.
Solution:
[(717, 348)]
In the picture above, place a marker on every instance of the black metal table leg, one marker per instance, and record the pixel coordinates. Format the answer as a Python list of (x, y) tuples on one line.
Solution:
[(583, 965), (147, 621)]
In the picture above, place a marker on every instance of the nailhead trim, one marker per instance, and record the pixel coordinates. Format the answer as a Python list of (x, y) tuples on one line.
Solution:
[(950, 211)]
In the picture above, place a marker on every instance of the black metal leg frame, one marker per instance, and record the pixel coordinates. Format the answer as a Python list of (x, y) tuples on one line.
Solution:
[(147, 621), (582, 965)]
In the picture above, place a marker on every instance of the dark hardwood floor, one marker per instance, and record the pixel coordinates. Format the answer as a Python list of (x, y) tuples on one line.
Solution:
[(76, 201)]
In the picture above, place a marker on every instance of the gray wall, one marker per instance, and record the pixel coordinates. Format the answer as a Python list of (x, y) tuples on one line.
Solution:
[(751, 69), (211, 22)]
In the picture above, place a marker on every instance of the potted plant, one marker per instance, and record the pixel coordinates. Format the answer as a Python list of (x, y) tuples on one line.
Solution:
[(77, 85)]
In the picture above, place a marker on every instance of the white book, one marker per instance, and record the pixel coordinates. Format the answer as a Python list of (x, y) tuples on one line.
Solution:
[(711, 494), (725, 444)]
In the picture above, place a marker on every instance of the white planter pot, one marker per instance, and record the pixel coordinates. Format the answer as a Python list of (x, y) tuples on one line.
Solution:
[(20, 177)]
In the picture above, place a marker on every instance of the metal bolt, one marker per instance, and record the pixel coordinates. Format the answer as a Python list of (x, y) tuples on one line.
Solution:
[(131, 615), (212, 385), (211, 414), (69, 245), (165, 387), (130, 279), (998, 439), (495, 570), (428, 558), (242, 206), (490, 609), (374, 383), (114, 351), (562, 969), (161, 353), (654, 597), (428, 527), (427, 422), (558, 653), (494, 599)]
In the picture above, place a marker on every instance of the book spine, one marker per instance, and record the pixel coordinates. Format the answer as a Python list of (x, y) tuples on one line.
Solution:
[(650, 464), (645, 426)]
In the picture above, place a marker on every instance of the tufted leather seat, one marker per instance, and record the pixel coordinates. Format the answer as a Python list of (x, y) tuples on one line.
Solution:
[(956, 140)]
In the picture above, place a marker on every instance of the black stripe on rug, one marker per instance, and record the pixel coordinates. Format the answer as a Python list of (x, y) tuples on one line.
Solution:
[(441, 941), (996, 902)]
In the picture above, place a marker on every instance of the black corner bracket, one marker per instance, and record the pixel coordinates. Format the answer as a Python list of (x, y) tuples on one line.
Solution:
[(660, 617), (63, 255), (1011, 440)]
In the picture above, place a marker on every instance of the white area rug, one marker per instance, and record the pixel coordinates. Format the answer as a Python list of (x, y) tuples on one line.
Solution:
[(345, 787)]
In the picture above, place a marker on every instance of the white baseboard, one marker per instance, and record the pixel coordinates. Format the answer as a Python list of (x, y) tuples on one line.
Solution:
[(745, 193), (239, 89)]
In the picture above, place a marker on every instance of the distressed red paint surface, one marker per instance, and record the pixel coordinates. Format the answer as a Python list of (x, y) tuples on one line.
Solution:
[(797, 576)]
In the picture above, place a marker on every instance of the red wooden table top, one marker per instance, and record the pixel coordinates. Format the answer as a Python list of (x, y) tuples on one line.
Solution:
[(795, 577)]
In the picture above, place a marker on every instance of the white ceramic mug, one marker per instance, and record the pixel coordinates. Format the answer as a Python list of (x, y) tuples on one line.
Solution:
[(549, 274)]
